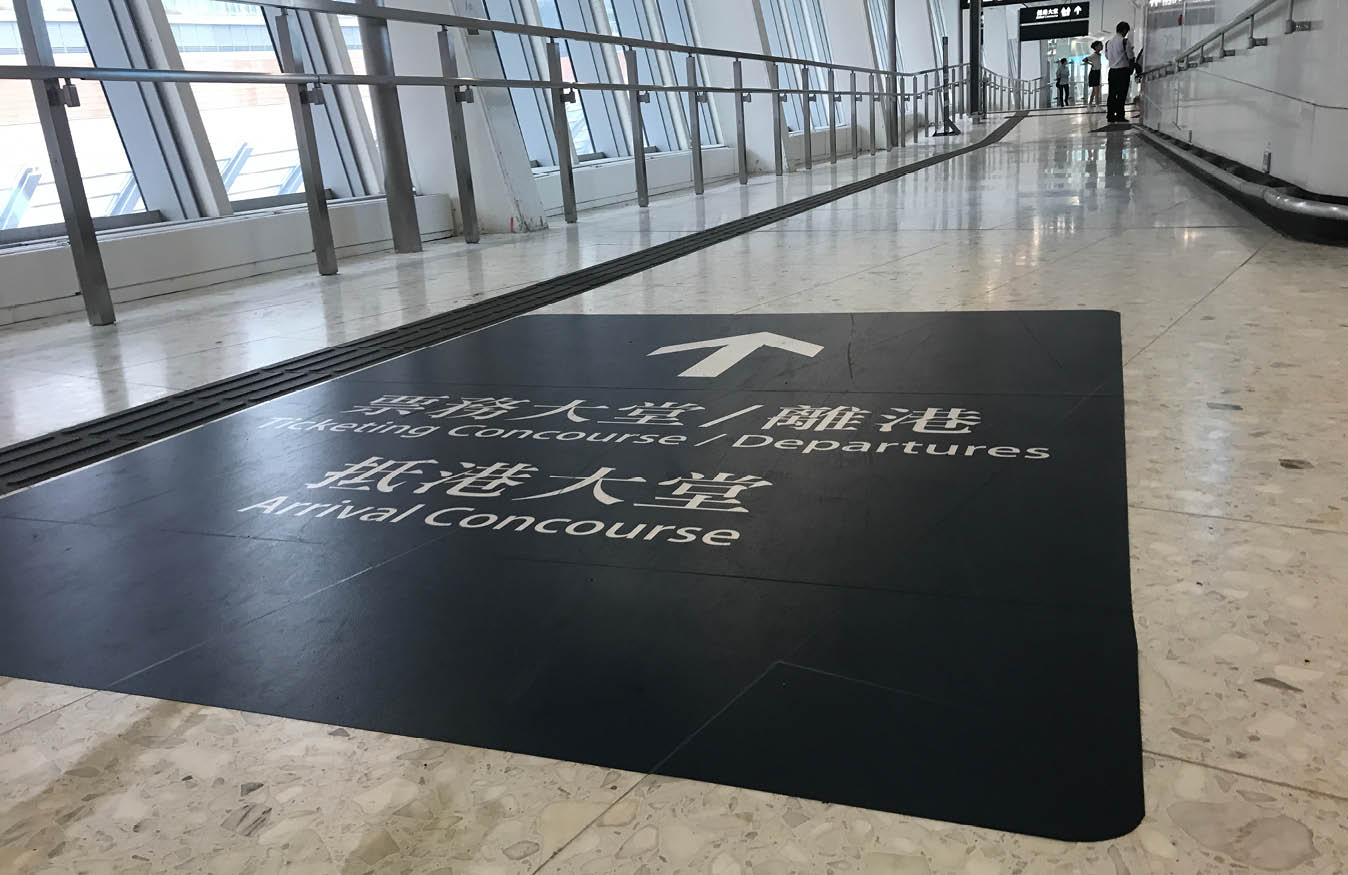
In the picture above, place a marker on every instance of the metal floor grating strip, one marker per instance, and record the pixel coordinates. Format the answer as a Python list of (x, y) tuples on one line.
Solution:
[(41, 458)]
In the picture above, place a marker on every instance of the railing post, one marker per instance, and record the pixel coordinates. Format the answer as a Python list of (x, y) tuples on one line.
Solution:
[(832, 111), (1293, 25), (871, 128), (903, 113), (302, 97), (926, 101), (695, 124), (856, 113), (561, 129), (455, 97), (1256, 41), (638, 127), (402, 207), (51, 100), (778, 118), (808, 123), (741, 147)]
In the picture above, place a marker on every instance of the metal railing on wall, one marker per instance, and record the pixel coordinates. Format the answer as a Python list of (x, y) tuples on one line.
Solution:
[(1219, 43), (898, 96)]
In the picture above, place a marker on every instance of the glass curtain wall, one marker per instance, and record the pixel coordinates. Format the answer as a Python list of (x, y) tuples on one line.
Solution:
[(249, 126), (796, 29), (28, 195)]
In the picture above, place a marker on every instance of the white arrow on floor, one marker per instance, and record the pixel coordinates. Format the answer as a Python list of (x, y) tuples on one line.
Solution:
[(735, 349)]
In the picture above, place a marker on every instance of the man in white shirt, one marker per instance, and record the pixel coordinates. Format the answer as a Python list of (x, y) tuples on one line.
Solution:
[(1120, 58)]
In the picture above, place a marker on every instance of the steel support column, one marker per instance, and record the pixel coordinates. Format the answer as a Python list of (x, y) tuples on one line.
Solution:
[(456, 96), (561, 130), (638, 128), (695, 124), (388, 119), (975, 103), (892, 41), (302, 99), (51, 99), (741, 146), (807, 122), (832, 118), (778, 118)]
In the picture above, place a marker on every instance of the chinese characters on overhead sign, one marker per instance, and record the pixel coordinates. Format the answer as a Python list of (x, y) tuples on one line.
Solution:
[(1055, 21)]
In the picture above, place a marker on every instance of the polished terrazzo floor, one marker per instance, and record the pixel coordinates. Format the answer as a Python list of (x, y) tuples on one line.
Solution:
[(1237, 427)]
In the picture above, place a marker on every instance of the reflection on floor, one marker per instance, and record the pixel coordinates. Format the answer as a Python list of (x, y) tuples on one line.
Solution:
[(1237, 423)]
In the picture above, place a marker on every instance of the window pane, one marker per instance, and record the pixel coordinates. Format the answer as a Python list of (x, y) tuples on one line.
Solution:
[(788, 75), (249, 126), (550, 16), (532, 106), (678, 28), (27, 191), (627, 18)]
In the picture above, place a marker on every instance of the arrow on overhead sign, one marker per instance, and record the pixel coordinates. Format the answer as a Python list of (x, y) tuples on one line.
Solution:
[(1076, 10), (730, 351)]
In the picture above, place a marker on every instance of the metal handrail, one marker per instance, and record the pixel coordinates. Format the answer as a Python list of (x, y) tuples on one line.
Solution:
[(304, 89), (340, 7), (1243, 20), (136, 74)]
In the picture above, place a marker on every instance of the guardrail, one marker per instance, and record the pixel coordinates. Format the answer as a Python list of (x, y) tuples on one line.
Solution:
[(1244, 22), (54, 91), (1215, 46)]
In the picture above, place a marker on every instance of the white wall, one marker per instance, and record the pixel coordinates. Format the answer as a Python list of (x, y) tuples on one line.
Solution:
[(39, 280), (1285, 99)]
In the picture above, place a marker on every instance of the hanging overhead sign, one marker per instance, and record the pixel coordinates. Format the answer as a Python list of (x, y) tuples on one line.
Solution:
[(1055, 21)]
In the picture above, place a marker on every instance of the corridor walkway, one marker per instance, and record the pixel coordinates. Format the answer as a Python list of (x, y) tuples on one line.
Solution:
[(1233, 343)]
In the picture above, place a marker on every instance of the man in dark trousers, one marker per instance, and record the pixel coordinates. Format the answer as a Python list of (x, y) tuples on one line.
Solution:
[(1119, 57)]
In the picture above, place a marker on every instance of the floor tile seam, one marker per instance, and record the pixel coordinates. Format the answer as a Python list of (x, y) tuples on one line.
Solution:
[(1196, 304), (290, 603), (1061, 607), (1031, 272), (1286, 785), (769, 390), (116, 526), (594, 822), (122, 368), (797, 292), (93, 377), (88, 692), (1231, 519)]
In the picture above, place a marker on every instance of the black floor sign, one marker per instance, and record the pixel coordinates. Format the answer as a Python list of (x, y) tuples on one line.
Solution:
[(874, 559)]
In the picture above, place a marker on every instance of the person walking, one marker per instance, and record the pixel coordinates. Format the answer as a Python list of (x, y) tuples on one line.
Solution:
[(1064, 84), (1119, 55), (1093, 62)]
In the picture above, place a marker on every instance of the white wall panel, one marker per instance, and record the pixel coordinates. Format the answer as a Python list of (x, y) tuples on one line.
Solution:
[(1286, 99)]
